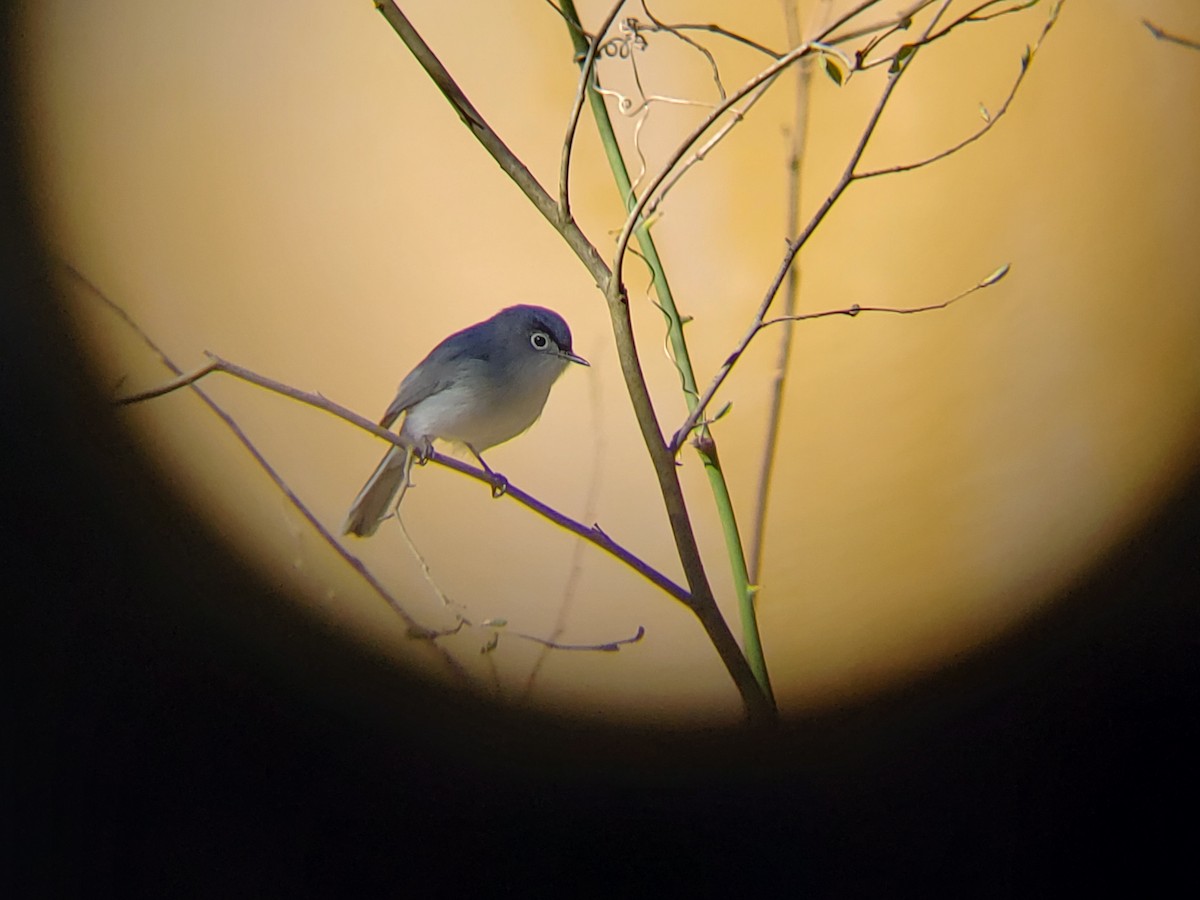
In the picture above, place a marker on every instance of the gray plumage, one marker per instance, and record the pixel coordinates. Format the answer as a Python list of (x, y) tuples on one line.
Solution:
[(481, 386)]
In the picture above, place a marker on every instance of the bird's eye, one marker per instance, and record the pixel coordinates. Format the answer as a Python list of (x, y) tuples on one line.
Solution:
[(540, 340)]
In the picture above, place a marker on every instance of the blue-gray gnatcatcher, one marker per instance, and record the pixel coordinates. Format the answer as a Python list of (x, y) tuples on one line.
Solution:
[(481, 387)]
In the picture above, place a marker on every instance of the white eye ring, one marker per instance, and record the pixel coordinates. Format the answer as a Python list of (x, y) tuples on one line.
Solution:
[(540, 340)]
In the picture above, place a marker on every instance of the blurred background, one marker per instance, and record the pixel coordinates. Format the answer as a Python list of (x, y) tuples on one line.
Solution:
[(280, 184)]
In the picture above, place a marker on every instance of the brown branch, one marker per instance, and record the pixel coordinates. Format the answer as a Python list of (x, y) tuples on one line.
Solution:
[(827, 35), (726, 33), (853, 310), (990, 119), (586, 69), (492, 143)]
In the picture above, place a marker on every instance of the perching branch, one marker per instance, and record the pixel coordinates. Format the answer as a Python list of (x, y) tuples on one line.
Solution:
[(415, 630), (594, 534)]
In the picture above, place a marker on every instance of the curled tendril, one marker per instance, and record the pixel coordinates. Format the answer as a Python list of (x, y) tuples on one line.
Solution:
[(629, 39)]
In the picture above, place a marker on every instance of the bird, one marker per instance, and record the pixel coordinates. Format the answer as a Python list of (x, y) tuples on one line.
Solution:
[(480, 387)]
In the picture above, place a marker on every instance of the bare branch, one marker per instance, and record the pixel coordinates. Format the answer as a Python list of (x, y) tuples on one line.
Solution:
[(586, 72), (184, 380), (762, 322), (607, 647), (990, 119), (696, 45), (731, 35), (854, 309), (1161, 35), (827, 34), (491, 141)]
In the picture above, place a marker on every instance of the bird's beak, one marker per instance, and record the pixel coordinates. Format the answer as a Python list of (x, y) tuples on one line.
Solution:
[(571, 357)]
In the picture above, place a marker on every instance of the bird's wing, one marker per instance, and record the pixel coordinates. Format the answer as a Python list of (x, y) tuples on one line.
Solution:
[(444, 365)]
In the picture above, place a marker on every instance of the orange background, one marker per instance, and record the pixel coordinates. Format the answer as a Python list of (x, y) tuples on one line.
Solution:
[(279, 183)]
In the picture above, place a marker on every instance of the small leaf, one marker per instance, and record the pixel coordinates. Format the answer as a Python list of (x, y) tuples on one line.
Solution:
[(721, 413), (984, 114), (1026, 57), (493, 623), (905, 23), (833, 71), (902, 56), (995, 276)]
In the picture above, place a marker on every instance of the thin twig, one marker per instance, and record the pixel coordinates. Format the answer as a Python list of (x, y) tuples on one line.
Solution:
[(796, 148), (851, 311), (731, 35), (493, 144), (990, 118), (1161, 35), (854, 309), (827, 35), (607, 647), (970, 17), (676, 33), (585, 76)]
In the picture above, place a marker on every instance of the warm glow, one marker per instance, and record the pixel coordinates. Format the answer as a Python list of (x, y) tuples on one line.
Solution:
[(279, 183)]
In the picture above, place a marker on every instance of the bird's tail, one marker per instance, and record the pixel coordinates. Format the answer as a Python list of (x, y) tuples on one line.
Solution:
[(373, 502)]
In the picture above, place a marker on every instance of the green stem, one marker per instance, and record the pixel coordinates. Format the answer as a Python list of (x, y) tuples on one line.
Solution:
[(705, 444)]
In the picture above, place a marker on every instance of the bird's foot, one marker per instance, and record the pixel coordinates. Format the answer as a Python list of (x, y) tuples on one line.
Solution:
[(499, 485)]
